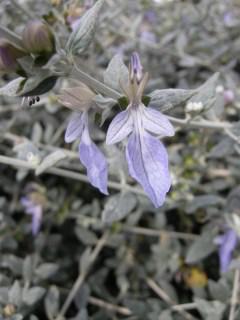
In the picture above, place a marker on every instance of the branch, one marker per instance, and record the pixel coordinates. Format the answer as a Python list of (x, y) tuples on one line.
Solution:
[(165, 297), (100, 244), (14, 162), (234, 294)]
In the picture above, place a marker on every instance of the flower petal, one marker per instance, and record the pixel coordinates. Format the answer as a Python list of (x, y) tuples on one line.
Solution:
[(148, 164), (157, 123), (120, 127), (36, 219), (229, 242), (94, 161), (74, 128)]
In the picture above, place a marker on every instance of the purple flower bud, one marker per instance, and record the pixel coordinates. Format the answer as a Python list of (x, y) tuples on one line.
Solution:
[(136, 68), (38, 38), (8, 56)]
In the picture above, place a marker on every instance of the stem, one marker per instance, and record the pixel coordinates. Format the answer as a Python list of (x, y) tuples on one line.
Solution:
[(82, 276), (234, 294), (11, 36), (165, 297), (95, 84), (67, 173)]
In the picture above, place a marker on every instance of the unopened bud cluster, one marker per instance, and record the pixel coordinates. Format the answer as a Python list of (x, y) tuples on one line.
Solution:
[(194, 107)]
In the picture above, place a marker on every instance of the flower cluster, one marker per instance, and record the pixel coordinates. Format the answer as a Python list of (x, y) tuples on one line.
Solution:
[(142, 126)]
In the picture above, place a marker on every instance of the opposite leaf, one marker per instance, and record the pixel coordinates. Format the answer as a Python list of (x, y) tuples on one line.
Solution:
[(116, 73)]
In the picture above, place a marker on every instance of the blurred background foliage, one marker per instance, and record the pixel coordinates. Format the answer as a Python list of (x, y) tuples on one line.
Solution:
[(158, 264)]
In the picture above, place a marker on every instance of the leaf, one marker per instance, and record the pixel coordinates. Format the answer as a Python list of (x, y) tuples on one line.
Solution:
[(204, 201), (81, 37), (118, 206), (105, 104), (116, 73), (201, 247), (12, 88), (206, 94), (51, 302), (85, 260), (210, 310), (169, 98), (27, 269), (32, 295), (222, 149), (85, 236), (46, 270), (219, 290), (15, 294), (50, 161)]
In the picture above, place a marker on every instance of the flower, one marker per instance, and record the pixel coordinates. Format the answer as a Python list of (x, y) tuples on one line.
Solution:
[(33, 202), (146, 156), (80, 99), (227, 243)]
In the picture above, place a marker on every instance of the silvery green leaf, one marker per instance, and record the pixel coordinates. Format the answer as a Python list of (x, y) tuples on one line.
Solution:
[(82, 315), (81, 37), (206, 94), (118, 206), (4, 295), (50, 161), (15, 264), (201, 247), (106, 105), (37, 132), (85, 236), (82, 296), (222, 149), (166, 315), (27, 269), (167, 99), (210, 310), (219, 290), (116, 73), (51, 302), (16, 317), (104, 102), (46, 270), (15, 294), (32, 295), (204, 201), (13, 87), (85, 260)]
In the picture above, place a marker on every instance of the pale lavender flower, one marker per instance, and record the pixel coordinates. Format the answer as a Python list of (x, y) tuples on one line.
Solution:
[(35, 210), (80, 99), (227, 243), (146, 156)]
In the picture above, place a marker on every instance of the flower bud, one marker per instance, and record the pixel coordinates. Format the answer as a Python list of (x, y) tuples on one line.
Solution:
[(135, 68), (8, 56), (38, 38)]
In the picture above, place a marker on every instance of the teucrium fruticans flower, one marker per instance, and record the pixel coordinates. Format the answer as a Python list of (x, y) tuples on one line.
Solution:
[(146, 156), (80, 99)]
